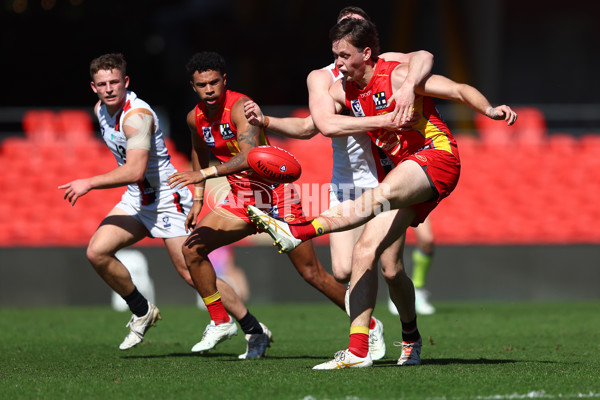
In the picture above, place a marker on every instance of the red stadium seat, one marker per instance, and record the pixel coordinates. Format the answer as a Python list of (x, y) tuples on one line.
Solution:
[(75, 125), (40, 125), (531, 126)]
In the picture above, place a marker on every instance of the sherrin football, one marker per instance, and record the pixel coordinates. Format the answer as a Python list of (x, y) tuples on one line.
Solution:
[(274, 164)]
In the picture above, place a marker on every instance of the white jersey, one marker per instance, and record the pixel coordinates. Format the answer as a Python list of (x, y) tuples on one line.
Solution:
[(353, 163), (159, 165), (151, 196)]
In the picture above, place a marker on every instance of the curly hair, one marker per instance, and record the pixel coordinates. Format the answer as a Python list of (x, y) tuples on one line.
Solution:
[(206, 61)]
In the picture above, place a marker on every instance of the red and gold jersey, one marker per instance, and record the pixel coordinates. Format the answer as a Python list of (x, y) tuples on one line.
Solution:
[(430, 131), (220, 135)]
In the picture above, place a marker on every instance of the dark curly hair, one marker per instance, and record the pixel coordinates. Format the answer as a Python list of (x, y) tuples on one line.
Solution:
[(206, 61)]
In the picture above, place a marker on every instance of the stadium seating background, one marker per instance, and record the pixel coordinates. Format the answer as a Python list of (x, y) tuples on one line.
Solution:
[(519, 185)]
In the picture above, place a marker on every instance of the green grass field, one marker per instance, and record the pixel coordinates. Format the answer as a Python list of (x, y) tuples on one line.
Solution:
[(471, 351)]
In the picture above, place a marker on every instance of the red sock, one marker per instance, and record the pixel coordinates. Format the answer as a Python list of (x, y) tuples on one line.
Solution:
[(216, 309), (359, 343), (306, 230), (372, 324)]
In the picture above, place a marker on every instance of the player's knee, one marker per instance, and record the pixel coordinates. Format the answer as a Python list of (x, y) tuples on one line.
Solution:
[(96, 257), (427, 246), (364, 253), (341, 269), (193, 253), (392, 273), (309, 272)]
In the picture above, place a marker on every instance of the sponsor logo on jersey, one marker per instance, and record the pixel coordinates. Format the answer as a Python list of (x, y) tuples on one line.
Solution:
[(208, 137), (380, 101), (226, 132), (357, 108)]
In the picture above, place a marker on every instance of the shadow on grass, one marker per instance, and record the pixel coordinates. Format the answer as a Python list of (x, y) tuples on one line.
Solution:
[(458, 361), (217, 355), (171, 355)]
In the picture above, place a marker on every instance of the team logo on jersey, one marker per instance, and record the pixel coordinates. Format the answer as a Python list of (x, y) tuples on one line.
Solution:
[(226, 132), (357, 108), (389, 142), (380, 101), (208, 137)]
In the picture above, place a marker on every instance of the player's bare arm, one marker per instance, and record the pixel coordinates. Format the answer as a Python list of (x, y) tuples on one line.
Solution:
[(138, 126), (247, 138), (326, 101), (200, 157), (292, 127), (442, 87), (419, 67)]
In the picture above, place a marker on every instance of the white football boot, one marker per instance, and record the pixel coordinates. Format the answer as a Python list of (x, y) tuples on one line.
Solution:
[(138, 326), (345, 359), (215, 334), (278, 230), (376, 341), (257, 344)]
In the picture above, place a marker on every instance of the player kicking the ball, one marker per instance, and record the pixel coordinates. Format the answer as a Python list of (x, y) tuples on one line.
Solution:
[(427, 167), (218, 125)]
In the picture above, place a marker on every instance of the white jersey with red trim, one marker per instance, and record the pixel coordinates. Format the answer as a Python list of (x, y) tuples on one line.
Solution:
[(159, 168), (354, 165)]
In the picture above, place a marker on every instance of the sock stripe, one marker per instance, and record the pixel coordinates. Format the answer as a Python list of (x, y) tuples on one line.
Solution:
[(212, 298), (319, 229), (359, 329)]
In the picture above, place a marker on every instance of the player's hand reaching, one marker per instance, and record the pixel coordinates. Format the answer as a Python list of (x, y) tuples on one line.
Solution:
[(502, 112), (405, 102), (392, 122), (181, 179), (76, 189), (254, 114), (192, 217)]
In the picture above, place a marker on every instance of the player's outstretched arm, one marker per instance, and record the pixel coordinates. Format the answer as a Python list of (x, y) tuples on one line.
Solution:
[(442, 87), (292, 127), (138, 126)]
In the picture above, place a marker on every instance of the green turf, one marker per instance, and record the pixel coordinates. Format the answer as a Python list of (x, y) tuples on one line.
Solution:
[(471, 351)]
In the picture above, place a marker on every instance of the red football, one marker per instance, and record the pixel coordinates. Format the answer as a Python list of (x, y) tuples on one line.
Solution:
[(274, 164)]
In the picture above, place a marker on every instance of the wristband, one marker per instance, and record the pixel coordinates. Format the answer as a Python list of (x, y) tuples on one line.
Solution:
[(198, 193), (203, 174), (215, 169), (266, 121)]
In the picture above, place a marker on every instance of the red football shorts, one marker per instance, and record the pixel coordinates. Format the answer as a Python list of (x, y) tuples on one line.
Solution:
[(282, 202), (443, 170)]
